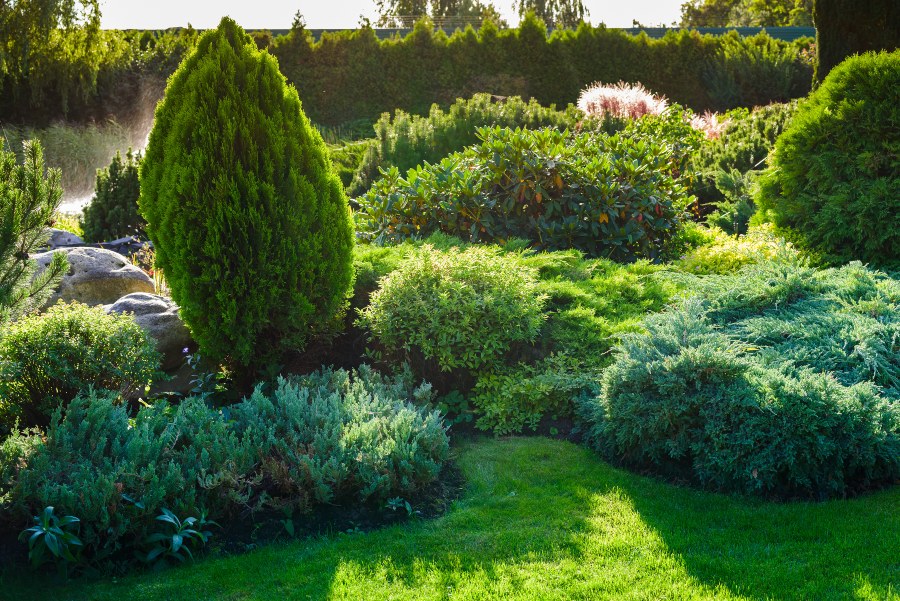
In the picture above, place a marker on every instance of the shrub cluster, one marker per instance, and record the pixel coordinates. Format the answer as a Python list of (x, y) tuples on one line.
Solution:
[(47, 359), (835, 171), (113, 211), (326, 437), (614, 196), (404, 141), (587, 303), (779, 380), (250, 225)]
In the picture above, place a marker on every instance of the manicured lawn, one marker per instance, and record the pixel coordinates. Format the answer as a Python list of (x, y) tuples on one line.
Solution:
[(543, 519)]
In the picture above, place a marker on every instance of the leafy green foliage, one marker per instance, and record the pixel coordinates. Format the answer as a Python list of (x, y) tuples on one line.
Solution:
[(445, 311), (28, 200), (614, 196), (52, 538), (250, 225), (177, 538), (404, 141), (723, 254), (835, 171), (778, 380), (518, 398), (47, 359), (113, 212)]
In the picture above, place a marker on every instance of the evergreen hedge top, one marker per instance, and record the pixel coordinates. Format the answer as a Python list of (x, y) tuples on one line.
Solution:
[(251, 227)]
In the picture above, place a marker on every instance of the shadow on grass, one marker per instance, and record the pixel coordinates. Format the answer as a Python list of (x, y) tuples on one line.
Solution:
[(544, 519)]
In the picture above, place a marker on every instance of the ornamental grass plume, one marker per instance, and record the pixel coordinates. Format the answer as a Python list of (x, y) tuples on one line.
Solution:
[(622, 100), (713, 125)]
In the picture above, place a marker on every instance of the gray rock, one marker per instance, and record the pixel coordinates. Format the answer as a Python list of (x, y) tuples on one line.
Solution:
[(96, 276), (62, 238), (158, 316)]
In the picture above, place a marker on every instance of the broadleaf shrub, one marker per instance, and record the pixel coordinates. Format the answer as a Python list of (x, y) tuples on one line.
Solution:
[(778, 380), (835, 171), (250, 225), (464, 311), (47, 359), (616, 196), (113, 211)]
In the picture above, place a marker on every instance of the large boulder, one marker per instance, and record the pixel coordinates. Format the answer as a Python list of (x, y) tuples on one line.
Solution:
[(158, 316), (62, 238), (96, 276)]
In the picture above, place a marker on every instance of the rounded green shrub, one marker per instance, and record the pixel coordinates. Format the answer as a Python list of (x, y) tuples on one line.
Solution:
[(47, 359), (835, 171), (113, 212), (455, 310), (250, 224), (777, 380)]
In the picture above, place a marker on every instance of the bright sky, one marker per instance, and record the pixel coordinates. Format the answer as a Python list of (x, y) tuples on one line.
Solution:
[(328, 14)]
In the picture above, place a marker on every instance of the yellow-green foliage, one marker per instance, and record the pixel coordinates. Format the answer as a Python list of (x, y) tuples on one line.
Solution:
[(726, 254), (250, 224)]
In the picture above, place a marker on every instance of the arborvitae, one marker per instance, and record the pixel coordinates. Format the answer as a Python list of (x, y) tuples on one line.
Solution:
[(113, 212), (251, 227), (28, 199), (846, 27)]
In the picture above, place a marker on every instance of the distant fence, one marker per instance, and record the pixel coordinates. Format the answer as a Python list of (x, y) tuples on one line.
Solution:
[(788, 34)]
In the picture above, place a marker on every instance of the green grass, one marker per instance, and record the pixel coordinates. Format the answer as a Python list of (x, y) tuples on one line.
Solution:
[(543, 519)]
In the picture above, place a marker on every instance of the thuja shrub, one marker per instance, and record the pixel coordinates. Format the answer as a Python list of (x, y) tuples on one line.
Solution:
[(113, 211), (445, 311), (47, 359), (404, 141), (250, 224), (835, 170), (616, 196)]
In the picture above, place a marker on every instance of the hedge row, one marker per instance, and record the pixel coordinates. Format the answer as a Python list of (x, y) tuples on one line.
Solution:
[(352, 75)]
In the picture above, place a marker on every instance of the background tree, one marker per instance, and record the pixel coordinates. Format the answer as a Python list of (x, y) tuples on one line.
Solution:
[(746, 13), (555, 13), (28, 200), (31, 31), (846, 27), (403, 13)]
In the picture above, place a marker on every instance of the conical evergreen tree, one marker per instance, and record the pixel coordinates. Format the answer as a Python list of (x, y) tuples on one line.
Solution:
[(251, 227)]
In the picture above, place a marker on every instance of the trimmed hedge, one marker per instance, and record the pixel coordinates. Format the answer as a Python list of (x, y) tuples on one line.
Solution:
[(352, 74)]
